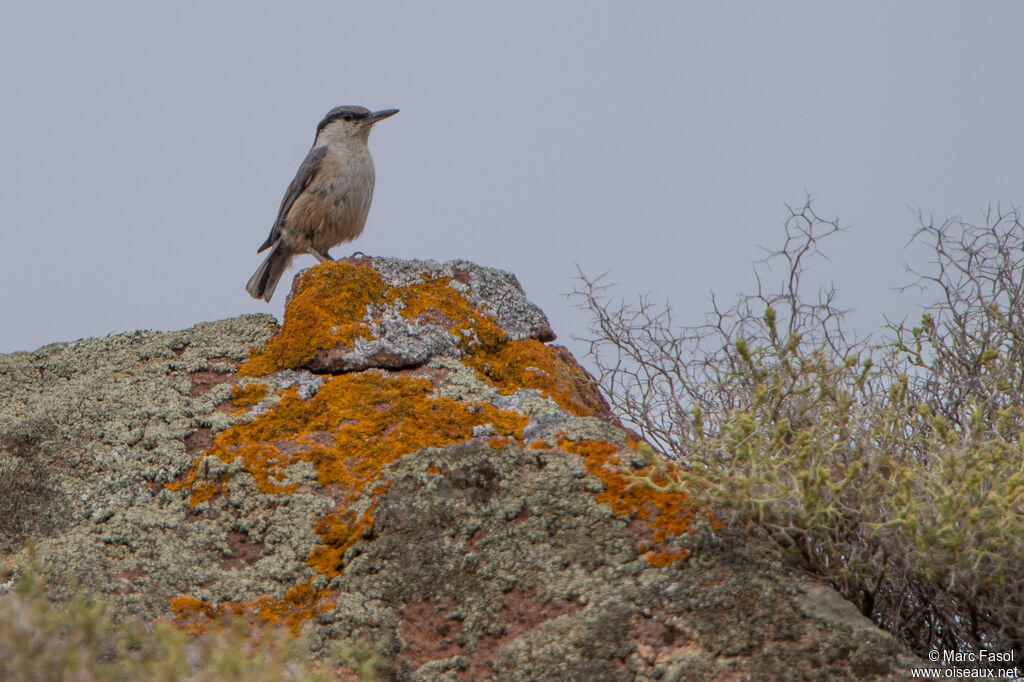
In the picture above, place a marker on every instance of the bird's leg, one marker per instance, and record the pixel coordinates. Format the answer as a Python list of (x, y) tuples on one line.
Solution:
[(322, 257)]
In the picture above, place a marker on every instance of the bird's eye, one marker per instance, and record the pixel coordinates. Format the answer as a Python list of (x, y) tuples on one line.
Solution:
[(347, 116)]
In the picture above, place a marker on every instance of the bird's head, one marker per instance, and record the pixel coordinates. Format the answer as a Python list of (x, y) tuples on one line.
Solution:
[(348, 122)]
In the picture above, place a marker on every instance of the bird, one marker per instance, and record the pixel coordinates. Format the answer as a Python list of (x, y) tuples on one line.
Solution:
[(328, 201)]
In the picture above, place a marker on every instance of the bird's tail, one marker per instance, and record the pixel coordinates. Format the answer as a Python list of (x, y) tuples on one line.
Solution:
[(264, 280)]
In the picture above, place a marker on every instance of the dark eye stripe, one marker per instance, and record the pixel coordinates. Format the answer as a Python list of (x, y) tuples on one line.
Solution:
[(344, 115)]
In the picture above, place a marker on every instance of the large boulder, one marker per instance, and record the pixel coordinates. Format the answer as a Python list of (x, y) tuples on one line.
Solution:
[(407, 465)]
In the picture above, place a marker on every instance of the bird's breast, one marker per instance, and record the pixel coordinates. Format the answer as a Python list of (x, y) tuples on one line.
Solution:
[(334, 207)]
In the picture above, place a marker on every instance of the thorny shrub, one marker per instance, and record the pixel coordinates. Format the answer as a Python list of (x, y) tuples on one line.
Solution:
[(894, 466)]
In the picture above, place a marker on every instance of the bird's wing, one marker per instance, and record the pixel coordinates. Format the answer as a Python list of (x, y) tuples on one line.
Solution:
[(307, 171)]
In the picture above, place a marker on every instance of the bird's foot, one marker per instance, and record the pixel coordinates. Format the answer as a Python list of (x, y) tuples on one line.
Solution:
[(322, 257)]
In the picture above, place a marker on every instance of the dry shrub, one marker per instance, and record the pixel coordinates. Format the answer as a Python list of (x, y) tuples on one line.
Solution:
[(893, 467)]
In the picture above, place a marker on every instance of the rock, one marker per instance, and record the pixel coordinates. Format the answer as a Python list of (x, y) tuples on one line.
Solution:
[(406, 462)]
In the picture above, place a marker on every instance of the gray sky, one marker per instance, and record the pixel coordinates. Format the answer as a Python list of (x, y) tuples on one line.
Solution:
[(145, 147)]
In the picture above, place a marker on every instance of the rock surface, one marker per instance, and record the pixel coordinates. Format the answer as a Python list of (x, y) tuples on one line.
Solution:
[(406, 465)]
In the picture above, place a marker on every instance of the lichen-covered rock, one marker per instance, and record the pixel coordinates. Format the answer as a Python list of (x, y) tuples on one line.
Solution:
[(407, 465), (394, 314)]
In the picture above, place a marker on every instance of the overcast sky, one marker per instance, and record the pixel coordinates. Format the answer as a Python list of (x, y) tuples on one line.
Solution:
[(145, 147)]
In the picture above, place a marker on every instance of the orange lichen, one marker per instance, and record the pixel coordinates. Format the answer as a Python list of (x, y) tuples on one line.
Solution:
[(531, 364), (331, 303), (508, 365), (476, 330), (337, 534), (298, 605), (201, 490), (662, 510), (353, 427), (326, 310), (192, 614), (191, 605), (247, 396)]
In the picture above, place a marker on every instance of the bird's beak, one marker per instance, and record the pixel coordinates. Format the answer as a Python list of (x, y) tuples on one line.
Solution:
[(380, 115)]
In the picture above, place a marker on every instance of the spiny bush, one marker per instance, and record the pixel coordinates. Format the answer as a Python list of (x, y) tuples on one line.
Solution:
[(894, 467), (83, 640)]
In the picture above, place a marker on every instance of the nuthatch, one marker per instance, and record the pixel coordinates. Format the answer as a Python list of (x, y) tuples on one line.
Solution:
[(328, 201)]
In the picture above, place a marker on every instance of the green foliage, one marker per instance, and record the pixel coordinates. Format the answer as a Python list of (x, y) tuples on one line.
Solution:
[(83, 640), (896, 469)]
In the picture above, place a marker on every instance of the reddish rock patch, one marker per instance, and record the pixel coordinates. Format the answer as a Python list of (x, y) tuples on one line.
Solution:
[(655, 630), (244, 550), (428, 632), (474, 539), (431, 633), (198, 441), (205, 379), (131, 576)]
